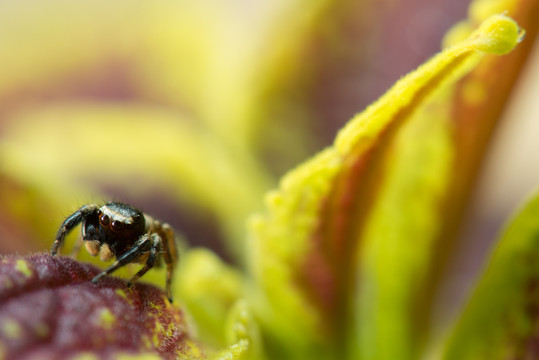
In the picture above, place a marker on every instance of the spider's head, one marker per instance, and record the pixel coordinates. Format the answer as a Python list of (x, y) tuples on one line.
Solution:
[(119, 219)]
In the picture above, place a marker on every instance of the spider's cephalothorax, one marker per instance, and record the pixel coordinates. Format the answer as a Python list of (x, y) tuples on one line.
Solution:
[(121, 231)]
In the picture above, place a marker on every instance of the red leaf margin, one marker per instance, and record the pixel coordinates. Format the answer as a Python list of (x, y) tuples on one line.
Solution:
[(50, 309)]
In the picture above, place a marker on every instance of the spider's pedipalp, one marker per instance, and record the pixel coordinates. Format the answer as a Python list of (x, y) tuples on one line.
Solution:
[(69, 223)]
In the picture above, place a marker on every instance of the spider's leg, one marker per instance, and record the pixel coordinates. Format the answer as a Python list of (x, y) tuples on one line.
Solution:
[(170, 256), (152, 258), (85, 236), (140, 246), (69, 223), (170, 269)]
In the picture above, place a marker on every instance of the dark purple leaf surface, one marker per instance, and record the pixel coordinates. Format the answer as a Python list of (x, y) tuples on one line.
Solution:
[(50, 309)]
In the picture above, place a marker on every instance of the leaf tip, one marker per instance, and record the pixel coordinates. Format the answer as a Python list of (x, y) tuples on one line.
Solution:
[(499, 34)]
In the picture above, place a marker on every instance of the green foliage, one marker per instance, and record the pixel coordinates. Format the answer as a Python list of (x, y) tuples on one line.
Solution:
[(208, 288), (500, 320)]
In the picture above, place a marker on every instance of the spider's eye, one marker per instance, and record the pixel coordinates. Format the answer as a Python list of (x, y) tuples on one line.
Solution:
[(104, 219), (117, 225)]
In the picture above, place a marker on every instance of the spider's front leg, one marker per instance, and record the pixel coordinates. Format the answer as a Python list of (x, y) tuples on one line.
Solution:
[(156, 244), (88, 233), (170, 256), (142, 245), (69, 223)]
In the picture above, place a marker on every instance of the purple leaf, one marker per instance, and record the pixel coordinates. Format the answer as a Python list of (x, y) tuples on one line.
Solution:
[(50, 309)]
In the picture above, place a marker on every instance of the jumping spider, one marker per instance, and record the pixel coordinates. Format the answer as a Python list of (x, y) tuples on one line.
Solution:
[(121, 231)]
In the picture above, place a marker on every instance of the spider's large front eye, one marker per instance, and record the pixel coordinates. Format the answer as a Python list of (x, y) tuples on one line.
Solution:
[(104, 220), (117, 225)]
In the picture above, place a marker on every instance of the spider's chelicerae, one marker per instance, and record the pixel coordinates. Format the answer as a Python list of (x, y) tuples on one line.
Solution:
[(121, 231)]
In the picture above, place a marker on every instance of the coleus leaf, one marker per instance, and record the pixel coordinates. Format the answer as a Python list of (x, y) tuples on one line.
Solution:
[(501, 320), (50, 309), (323, 258), (479, 99), (208, 288)]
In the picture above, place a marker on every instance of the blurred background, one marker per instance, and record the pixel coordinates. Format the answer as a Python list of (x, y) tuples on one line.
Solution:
[(190, 110)]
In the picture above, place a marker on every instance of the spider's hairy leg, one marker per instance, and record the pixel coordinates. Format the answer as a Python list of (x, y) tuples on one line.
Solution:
[(170, 256), (142, 245), (170, 269), (78, 244), (150, 262), (69, 223)]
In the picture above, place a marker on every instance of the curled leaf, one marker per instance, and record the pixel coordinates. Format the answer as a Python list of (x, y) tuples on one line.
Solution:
[(325, 224), (50, 309)]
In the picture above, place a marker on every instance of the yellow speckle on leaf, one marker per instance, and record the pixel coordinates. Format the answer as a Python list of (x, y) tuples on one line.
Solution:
[(106, 318), (194, 350), (41, 329), (11, 329), (155, 339), (147, 342), (155, 306), (123, 295), (159, 308), (22, 267)]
